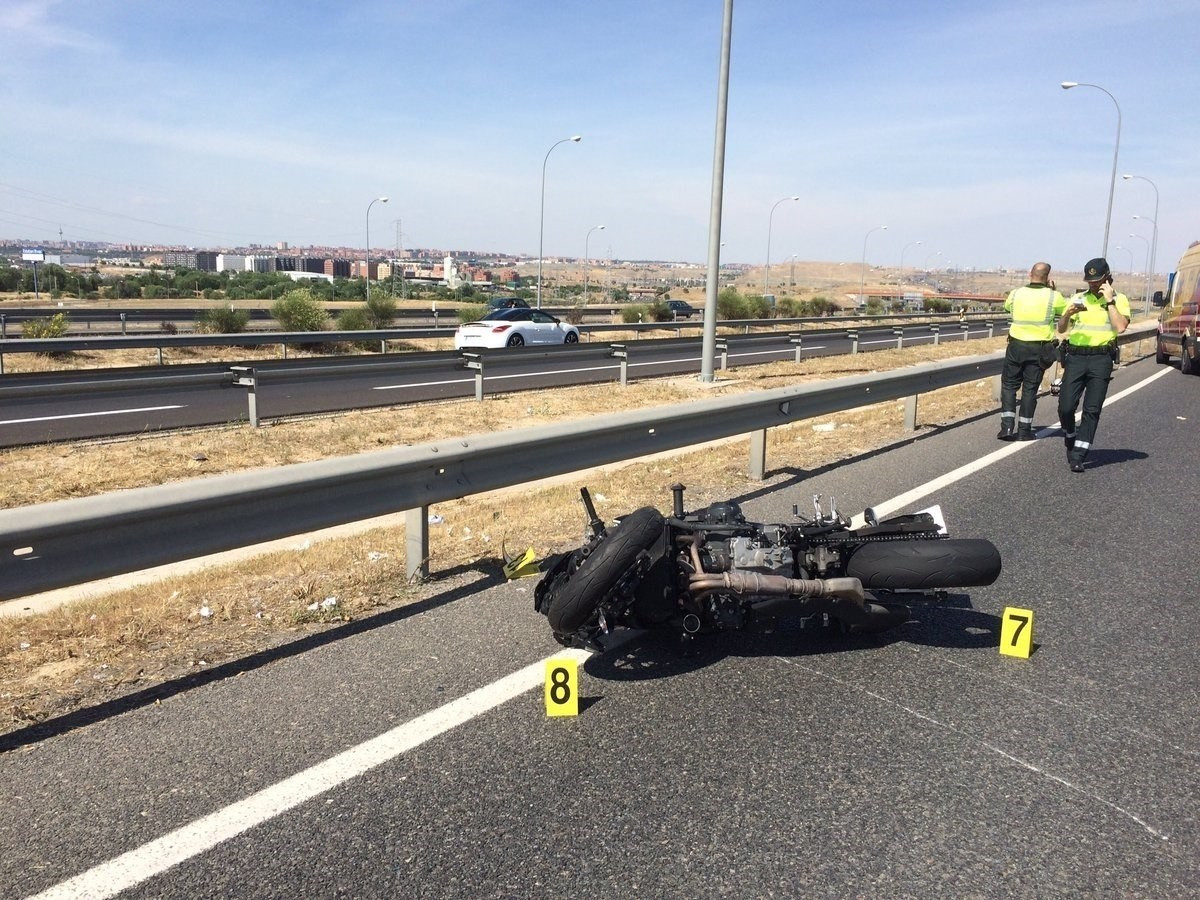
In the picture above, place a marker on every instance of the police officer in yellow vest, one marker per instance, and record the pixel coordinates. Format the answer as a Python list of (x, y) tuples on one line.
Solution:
[(1092, 323), (1035, 309)]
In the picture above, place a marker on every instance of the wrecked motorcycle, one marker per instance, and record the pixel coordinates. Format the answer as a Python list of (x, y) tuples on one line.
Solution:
[(712, 570)]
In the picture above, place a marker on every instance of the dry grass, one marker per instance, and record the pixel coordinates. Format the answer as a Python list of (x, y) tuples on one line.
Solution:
[(96, 649)]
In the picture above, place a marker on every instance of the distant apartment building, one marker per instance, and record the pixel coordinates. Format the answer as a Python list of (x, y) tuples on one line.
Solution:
[(231, 262), (260, 263), (336, 268), (204, 260)]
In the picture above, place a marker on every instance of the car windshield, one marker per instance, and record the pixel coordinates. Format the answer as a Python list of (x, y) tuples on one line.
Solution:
[(508, 315)]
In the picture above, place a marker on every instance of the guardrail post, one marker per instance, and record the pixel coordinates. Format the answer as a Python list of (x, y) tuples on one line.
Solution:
[(123, 323), (3, 328), (723, 348), (852, 336), (966, 330), (416, 543), (160, 356), (618, 351), (474, 361), (991, 327), (758, 455), (899, 333), (798, 340), (937, 333), (284, 346), (910, 413), (248, 379)]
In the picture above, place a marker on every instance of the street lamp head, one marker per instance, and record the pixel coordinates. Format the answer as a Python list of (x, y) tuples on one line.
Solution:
[(576, 138), (383, 199), (1067, 85), (601, 227), (796, 198), (1126, 177)]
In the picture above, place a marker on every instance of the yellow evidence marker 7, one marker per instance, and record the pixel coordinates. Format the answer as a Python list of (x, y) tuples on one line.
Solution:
[(1016, 632), (562, 686)]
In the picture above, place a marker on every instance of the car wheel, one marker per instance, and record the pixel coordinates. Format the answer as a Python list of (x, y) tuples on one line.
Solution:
[(1160, 353), (571, 338), (515, 341)]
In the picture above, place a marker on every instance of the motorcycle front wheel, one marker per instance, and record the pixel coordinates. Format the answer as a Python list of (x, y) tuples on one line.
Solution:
[(574, 602), (925, 565)]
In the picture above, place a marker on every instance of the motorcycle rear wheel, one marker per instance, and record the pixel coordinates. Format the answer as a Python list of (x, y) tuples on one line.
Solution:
[(576, 600), (925, 565)]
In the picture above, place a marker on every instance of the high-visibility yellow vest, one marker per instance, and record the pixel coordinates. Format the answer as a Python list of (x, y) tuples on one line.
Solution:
[(1034, 309), (1092, 327)]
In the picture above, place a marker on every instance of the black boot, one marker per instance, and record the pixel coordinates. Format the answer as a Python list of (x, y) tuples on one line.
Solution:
[(1025, 433), (1075, 461), (1006, 432)]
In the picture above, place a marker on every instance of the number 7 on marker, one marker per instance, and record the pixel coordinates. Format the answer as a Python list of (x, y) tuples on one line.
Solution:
[(1016, 632)]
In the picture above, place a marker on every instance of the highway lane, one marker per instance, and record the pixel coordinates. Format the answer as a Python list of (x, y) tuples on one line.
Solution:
[(918, 763), (102, 414)]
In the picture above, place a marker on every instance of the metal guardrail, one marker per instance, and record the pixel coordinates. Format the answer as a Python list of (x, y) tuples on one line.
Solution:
[(71, 542)]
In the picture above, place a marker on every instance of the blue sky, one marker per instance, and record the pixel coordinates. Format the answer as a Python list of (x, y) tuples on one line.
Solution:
[(222, 124)]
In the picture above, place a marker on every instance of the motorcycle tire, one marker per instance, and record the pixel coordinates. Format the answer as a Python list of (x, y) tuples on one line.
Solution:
[(576, 600), (925, 565)]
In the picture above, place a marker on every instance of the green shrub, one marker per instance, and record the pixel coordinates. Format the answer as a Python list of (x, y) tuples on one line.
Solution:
[(472, 313), (660, 312), (732, 305), (298, 310), (356, 318), (789, 308), (381, 309), (635, 312), (223, 320), (52, 327)]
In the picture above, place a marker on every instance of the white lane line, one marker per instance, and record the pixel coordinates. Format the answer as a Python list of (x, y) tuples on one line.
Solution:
[(87, 415), (178, 846), (613, 366), (908, 497)]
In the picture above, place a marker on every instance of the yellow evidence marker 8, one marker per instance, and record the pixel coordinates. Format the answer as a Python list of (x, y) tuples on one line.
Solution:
[(562, 686), (1016, 632)]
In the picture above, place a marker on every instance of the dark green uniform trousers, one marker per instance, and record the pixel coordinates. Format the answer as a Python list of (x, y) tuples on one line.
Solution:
[(1085, 376)]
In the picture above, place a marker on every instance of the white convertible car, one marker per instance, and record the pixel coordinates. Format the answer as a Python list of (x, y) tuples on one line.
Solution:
[(515, 328)]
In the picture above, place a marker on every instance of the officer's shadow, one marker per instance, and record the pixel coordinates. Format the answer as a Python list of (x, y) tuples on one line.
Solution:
[(1098, 458)]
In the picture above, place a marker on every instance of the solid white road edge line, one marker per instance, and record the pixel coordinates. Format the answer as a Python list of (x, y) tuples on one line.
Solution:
[(178, 846)]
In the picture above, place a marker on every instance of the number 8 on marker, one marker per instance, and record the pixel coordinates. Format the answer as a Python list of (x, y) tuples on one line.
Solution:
[(562, 687)]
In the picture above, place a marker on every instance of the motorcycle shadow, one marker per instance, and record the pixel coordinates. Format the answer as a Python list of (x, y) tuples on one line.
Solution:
[(648, 655)]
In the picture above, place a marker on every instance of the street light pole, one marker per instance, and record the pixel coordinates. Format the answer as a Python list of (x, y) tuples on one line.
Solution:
[(542, 215), (1154, 242), (367, 264), (1130, 252), (1150, 259), (1066, 86), (862, 285), (587, 260), (900, 280), (792, 275), (1147, 240), (767, 271)]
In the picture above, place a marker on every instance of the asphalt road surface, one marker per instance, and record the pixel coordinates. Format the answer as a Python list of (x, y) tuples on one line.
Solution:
[(410, 755), (73, 414)]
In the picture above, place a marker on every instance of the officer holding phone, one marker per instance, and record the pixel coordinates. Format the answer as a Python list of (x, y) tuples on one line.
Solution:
[(1091, 322)]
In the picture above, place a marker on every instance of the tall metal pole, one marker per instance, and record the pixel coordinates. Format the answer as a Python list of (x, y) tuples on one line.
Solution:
[(770, 220), (862, 286), (708, 350), (1154, 242), (367, 264), (1066, 86), (587, 260), (900, 280), (1149, 259), (542, 215)]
